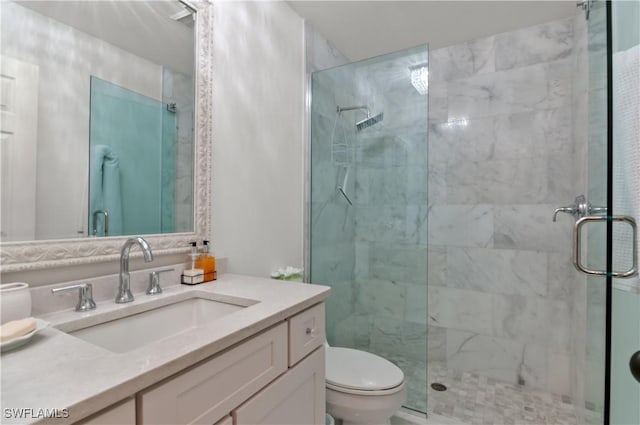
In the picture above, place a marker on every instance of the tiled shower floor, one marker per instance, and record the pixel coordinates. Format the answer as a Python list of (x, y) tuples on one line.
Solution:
[(474, 399)]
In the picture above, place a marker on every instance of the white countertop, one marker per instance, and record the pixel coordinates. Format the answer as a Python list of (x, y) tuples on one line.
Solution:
[(58, 371)]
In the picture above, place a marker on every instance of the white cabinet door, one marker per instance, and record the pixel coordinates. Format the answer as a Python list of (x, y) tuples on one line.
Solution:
[(123, 413), (296, 398), (208, 391)]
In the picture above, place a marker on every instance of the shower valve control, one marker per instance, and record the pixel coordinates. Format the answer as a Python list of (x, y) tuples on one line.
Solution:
[(580, 208)]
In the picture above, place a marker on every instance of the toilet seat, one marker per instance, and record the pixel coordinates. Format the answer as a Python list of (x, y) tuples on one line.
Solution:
[(359, 372), (366, 392)]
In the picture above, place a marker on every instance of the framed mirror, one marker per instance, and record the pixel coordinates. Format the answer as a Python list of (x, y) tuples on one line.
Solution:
[(111, 104)]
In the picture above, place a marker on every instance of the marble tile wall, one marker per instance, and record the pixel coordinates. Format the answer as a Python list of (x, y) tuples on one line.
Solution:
[(178, 88), (501, 159)]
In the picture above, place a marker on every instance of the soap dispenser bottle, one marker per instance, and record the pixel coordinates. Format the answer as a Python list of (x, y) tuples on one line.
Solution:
[(195, 274), (207, 263)]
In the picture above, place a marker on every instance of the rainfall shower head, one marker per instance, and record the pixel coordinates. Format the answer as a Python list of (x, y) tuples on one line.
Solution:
[(365, 123), (369, 121)]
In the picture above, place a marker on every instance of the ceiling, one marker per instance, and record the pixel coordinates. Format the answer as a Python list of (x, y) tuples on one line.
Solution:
[(363, 29), (359, 29), (144, 28)]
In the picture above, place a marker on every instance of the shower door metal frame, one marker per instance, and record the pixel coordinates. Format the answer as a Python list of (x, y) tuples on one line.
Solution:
[(609, 260)]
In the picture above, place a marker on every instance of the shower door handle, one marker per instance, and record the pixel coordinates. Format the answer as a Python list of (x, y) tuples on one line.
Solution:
[(634, 365), (577, 245), (95, 222)]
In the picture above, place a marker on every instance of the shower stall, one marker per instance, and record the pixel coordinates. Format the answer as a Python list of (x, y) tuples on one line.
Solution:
[(434, 223)]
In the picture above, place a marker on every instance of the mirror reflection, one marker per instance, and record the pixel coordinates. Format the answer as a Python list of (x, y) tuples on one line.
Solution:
[(97, 104)]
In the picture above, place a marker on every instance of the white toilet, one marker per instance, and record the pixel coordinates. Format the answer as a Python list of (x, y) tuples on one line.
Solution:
[(362, 388)]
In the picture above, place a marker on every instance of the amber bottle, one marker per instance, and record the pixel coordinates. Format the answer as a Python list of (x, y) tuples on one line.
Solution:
[(207, 263)]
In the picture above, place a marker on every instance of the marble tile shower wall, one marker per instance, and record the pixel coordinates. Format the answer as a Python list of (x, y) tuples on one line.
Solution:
[(501, 159), (178, 88)]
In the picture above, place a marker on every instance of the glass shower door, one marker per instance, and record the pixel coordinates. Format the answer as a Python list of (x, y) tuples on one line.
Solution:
[(368, 226), (612, 329), (625, 300), (591, 292)]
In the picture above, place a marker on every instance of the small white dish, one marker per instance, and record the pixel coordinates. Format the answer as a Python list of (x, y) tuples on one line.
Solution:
[(21, 340)]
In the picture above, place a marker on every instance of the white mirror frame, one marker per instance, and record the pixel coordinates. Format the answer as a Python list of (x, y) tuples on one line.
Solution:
[(35, 255)]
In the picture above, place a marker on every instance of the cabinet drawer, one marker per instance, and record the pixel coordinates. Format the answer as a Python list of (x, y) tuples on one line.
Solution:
[(209, 391), (306, 333)]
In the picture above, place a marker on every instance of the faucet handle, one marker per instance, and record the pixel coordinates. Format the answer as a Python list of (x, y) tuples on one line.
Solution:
[(85, 295), (154, 282)]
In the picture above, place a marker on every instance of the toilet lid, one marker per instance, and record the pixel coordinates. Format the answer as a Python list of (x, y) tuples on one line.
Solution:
[(359, 370)]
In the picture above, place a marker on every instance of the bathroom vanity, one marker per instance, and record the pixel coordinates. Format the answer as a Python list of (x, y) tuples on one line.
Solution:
[(258, 359)]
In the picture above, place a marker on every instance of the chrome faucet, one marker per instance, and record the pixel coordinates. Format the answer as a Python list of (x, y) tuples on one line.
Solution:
[(124, 288)]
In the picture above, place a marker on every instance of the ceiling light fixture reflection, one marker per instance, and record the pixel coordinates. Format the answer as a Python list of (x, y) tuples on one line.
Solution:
[(420, 77)]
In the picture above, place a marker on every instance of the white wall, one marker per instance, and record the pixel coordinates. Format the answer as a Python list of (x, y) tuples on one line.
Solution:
[(258, 106)]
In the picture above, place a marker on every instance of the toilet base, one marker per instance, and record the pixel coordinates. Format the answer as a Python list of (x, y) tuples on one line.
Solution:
[(387, 422), (355, 409)]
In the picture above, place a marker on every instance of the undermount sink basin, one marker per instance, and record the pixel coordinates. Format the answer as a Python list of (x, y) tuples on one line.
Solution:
[(137, 330)]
